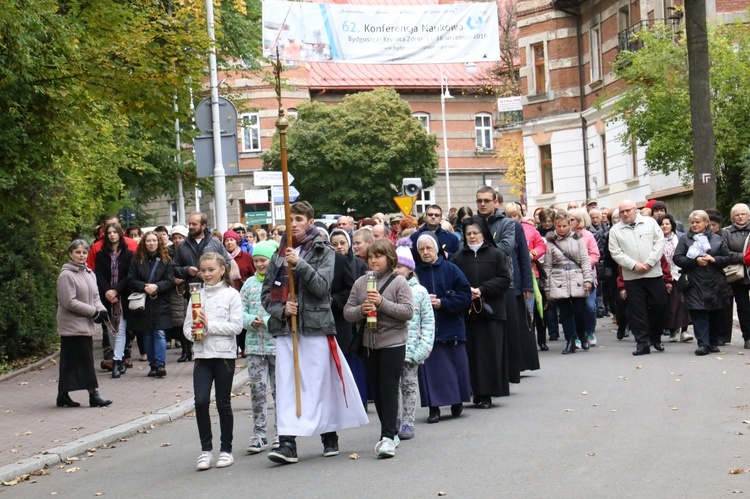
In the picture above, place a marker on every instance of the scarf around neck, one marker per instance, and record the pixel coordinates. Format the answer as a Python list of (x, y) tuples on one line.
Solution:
[(280, 285), (234, 269)]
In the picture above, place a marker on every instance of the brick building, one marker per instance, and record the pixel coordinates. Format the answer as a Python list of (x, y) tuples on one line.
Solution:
[(567, 50), (469, 116)]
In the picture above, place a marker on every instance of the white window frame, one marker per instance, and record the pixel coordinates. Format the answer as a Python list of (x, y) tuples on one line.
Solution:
[(595, 44), (426, 198), (480, 130), (246, 118), (291, 112), (424, 119)]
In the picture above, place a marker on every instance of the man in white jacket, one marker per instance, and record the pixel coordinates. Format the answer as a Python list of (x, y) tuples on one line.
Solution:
[(636, 243)]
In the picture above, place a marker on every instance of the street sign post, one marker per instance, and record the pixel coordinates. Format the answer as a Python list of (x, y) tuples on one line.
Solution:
[(278, 194), (405, 204), (262, 178), (258, 218)]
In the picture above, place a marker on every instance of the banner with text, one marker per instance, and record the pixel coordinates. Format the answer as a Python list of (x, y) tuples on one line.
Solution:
[(366, 34)]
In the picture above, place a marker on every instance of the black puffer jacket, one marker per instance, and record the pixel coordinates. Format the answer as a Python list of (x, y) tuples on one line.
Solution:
[(708, 288), (158, 312)]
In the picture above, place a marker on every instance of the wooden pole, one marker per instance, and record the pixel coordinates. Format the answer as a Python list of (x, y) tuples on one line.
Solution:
[(281, 125)]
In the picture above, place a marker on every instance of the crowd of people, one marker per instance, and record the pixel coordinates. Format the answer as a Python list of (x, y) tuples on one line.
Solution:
[(449, 309)]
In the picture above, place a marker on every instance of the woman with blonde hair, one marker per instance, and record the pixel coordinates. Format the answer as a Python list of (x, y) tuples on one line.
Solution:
[(702, 256)]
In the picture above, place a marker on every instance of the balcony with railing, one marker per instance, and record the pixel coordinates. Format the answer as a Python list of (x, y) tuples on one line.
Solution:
[(626, 39)]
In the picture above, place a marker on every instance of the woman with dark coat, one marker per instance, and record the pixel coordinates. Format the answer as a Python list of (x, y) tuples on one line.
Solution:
[(342, 245), (702, 255), (152, 257), (113, 280), (486, 268), (444, 377)]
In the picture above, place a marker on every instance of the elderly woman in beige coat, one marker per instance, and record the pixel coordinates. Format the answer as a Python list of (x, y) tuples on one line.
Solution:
[(79, 306), (570, 279)]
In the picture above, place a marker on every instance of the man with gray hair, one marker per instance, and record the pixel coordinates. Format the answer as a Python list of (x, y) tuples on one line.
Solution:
[(636, 243)]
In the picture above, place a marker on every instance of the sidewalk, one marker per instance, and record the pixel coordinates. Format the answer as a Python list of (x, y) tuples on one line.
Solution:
[(36, 433)]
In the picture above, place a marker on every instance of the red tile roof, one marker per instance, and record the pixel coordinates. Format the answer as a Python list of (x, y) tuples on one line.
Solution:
[(413, 76)]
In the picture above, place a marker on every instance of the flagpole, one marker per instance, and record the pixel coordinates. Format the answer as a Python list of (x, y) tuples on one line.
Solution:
[(281, 125)]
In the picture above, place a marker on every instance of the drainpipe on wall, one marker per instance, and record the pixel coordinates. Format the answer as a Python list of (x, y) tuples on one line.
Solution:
[(584, 124)]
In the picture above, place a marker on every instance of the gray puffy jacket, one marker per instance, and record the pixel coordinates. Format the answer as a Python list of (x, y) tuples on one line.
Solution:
[(565, 278)]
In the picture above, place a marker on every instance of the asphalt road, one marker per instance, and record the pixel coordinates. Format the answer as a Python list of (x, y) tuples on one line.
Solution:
[(594, 424)]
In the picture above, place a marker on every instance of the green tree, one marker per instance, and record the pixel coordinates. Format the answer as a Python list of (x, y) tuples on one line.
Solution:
[(86, 96), (656, 104), (347, 156)]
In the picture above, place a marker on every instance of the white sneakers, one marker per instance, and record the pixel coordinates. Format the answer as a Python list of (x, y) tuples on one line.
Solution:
[(592, 339), (685, 337), (385, 448), (204, 460), (225, 459)]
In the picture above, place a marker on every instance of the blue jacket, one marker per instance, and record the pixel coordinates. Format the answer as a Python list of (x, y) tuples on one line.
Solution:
[(521, 262), (446, 281)]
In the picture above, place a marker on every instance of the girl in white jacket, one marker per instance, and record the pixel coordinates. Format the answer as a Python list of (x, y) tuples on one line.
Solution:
[(215, 355)]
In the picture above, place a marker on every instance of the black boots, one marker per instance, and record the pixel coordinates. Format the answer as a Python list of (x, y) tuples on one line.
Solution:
[(64, 400), (96, 400), (434, 416), (119, 369), (161, 371), (570, 347), (187, 352)]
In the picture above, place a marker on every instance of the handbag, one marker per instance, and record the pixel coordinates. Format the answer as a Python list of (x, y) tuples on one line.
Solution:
[(137, 301), (479, 309), (736, 271), (683, 283), (357, 344)]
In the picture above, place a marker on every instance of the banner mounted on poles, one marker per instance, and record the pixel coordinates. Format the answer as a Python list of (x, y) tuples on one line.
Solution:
[(367, 34)]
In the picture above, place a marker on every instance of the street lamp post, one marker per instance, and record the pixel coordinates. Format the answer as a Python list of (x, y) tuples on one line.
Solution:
[(220, 185), (445, 94)]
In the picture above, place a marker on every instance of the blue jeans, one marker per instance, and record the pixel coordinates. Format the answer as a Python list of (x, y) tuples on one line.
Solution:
[(590, 320), (706, 325), (156, 346)]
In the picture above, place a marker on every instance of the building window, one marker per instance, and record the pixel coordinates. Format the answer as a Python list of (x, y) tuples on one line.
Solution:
[(545, 155), (250, 132), (540, 69), (603, 141), (483, 129), (596, 53), (623, 18), (423, 118), (426, 198), (291, 113), (173, 213)]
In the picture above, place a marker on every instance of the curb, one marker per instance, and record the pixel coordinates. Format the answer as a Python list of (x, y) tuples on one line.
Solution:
[(60, 454), (30, 367)]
